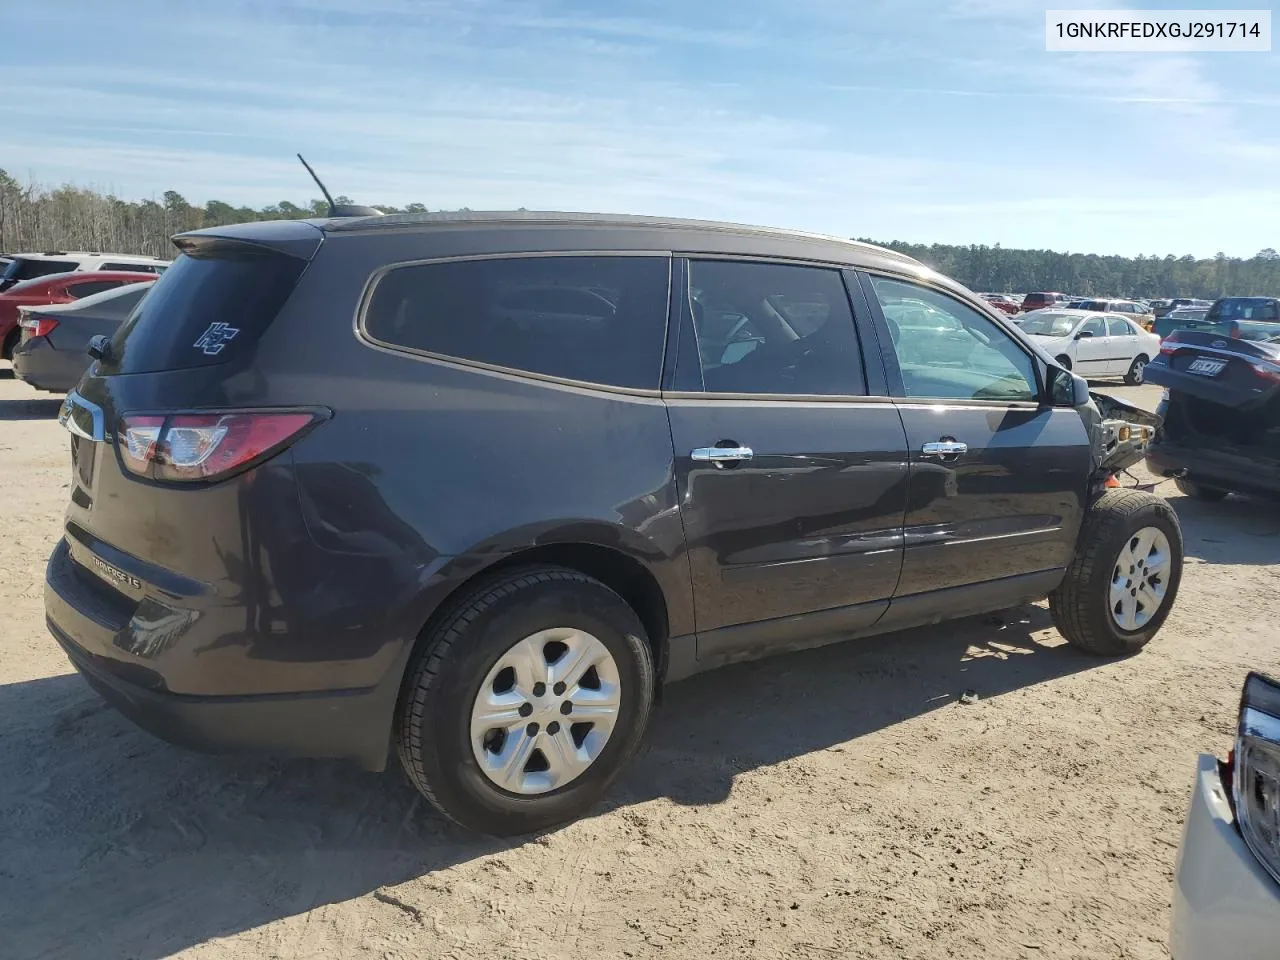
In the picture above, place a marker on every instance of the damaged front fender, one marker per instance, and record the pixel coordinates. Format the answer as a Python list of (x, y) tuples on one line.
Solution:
[(1119, 432)]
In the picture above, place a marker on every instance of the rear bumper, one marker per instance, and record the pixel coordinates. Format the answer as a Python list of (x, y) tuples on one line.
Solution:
[(1224, 903), (1214, 468), (345, 724), (45, 368), (130, 652)]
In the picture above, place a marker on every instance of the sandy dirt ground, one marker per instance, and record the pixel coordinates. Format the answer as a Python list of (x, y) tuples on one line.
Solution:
[(834, 803)]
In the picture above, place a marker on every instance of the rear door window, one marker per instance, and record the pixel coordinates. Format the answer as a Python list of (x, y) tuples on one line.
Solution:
[(205, 309), (596, 319), (1119, 327), (773, 329)]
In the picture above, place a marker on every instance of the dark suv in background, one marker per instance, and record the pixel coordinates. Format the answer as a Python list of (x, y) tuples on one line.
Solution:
[(476, 485)]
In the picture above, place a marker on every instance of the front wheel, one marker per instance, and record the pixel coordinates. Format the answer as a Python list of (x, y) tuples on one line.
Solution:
[(1064, 362), (526, 701), (1124, 579), (1137, 371)]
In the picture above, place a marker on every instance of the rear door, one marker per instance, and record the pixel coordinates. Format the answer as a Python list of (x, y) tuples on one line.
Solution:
[(997, 479), (1122, 338), (791, 473)]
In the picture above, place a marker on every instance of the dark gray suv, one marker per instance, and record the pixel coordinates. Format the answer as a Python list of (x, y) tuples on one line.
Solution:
[(476, 485)]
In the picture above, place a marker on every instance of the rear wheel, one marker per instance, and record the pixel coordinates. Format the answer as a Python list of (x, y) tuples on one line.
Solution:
[(1198, 491), (1124, 579), (526, 701), (1064, 362), (1137, 370)]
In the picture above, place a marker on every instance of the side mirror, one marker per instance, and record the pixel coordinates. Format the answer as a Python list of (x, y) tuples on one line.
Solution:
[(1082, 334), (1066, 389)]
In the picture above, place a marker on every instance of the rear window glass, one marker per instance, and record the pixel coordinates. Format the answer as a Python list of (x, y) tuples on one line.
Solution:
[(91, 287), (204, 309), (1243, 308), (595, 319), (130, 267)]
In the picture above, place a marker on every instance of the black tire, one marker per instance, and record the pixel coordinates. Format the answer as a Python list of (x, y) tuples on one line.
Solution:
[(1080, 604), (1064, 362), (1137, 369), (1198, 491), (10, 342), (433, 721)]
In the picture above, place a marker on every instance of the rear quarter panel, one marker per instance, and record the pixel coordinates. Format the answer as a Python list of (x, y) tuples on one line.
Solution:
[(425, 460)]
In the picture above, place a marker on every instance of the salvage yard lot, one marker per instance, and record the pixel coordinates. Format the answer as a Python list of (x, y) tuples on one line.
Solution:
[(834, 803)]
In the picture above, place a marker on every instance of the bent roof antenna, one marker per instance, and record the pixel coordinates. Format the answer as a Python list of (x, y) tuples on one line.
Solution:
[(340, 209)]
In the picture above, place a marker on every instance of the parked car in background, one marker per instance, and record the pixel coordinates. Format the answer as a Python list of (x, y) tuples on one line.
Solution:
[(387, 533), (16, 267), (1226, 887), (51, 354), (1038, 301), (1002, 302), (1162, 307), (1129, 308), (55, 288), (1091, 344), (1221, 412), (1183, 318), (1245, 318)]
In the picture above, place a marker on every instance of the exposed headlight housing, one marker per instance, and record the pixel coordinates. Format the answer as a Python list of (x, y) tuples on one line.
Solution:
[(1257, 770)]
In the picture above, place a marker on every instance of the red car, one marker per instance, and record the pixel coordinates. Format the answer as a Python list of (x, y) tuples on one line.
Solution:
[(56, 288), (1002, 302), (1038, 301)]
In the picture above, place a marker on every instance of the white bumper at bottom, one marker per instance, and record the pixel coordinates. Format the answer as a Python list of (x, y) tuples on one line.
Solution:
[(1225, 905)]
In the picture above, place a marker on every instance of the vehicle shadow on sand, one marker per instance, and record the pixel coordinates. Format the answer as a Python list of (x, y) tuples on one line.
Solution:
[(1237, 530), (116, 844), (41, 409)]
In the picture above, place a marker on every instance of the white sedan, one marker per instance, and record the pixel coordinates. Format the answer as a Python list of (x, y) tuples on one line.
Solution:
[(1093, 344)]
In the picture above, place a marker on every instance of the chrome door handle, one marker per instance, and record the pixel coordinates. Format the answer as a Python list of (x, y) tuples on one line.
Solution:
[(944, 448), (722, 454)]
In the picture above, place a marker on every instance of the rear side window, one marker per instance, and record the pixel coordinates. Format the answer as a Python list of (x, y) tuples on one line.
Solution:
[(207, 308), (21, 268), (595, 319), (91, 287)]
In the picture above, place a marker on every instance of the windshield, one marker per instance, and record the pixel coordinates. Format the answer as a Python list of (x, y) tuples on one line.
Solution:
[(1049, 324)]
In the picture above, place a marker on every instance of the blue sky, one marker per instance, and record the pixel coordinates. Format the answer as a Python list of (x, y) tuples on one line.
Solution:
[(941, 121)]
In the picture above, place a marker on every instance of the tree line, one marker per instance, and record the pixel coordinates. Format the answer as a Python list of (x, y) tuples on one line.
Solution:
[(35, 217), (999, 270)]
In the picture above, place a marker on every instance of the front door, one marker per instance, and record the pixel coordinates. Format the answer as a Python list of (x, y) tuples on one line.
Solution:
[(997, 483), (791, 478), (1093, 348)]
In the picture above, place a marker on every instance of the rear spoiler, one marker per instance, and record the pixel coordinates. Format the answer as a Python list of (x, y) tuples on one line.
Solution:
[(293, 238)]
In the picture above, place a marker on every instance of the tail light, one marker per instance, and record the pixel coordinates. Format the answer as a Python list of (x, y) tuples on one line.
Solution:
[(1234, 333), (205, 446), (1169, 345), (37, 326), (1256, 770)]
